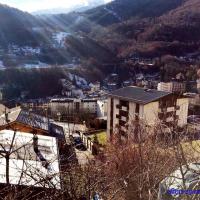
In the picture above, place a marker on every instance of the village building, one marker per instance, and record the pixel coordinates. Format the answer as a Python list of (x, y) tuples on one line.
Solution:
[(95, 87), (45, 145), (30, 163), (73, 106), (36, 104), (198, 86), (102, 108), (173, 86), (25, 121)]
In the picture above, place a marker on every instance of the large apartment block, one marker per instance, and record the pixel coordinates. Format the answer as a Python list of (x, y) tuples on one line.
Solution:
[(150, 106)]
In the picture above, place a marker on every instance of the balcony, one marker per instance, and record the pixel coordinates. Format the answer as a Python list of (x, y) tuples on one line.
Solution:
[(166, 115), (118, 106), (122, 123), (123, 113)]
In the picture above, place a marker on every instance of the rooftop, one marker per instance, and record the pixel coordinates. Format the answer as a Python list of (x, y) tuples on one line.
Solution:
[(139, 95), (24, 160), (32, 120)]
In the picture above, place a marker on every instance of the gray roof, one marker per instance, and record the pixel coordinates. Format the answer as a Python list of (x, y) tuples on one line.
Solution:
[(33, 120), (138, 95)]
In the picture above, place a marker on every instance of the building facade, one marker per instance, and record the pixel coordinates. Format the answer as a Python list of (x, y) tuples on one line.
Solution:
[(72, 105), (102, 108), (150, 106), (173, 86), (26, 160), (198, 86)]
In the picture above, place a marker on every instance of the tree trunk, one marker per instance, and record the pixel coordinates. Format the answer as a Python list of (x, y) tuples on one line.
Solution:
[(7, 169)]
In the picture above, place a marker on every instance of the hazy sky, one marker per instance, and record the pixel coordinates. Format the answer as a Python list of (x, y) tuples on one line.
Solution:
[(34, 5)]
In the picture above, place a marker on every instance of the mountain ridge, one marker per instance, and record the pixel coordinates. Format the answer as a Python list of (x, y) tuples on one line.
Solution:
[(150, 27)]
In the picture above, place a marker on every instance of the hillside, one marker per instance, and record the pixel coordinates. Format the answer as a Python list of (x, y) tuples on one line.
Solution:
[(181, 24), (121, 10), (150, 27), (16, 27)]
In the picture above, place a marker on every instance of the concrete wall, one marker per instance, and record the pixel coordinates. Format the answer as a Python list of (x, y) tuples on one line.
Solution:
[(150, 114), (102, 108), (183, 112), (108, 118), (115, 112), (69, 107), (132, 107)]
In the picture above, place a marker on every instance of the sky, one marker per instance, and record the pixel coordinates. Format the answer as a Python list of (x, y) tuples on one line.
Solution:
[(35, 5)]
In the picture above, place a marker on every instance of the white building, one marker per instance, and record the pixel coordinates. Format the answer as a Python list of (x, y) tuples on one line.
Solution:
[(102, 108), (95, 87), (198, 86), (173, 86), (150, 106), (26, 165)]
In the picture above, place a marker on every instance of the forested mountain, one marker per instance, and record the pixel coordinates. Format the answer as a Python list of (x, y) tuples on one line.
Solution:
[(121, 10), (17, 27), (123, 27), (150, 27), (99, 41)]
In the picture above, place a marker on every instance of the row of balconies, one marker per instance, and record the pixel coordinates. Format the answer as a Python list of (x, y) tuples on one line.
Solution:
[(167, 116), (168, 109)]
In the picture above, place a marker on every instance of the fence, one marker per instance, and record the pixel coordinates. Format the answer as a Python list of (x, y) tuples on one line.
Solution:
[(87, 142)]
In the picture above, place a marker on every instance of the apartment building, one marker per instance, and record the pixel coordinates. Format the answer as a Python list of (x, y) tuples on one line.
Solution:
[(150, 106)]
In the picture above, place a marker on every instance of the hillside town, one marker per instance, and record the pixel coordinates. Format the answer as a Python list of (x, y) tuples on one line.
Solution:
[(80, 123), (100, 100)]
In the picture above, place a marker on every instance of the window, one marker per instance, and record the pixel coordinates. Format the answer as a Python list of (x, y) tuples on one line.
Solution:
[(124, 103), (77, 106), (137, 111)]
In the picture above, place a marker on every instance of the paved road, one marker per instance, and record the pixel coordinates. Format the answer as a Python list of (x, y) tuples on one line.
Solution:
[(69, 128)]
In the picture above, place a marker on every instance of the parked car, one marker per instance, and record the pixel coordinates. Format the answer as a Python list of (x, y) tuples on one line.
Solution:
[(77, 141)]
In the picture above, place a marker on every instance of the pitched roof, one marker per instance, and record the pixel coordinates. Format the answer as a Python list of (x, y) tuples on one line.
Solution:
[(33, 120), (139, 95), (25, 159)]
